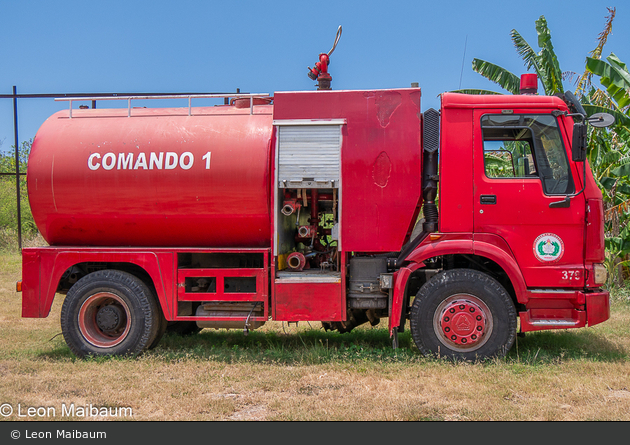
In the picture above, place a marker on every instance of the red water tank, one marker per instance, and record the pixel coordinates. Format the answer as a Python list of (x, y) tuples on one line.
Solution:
[(159, 178)]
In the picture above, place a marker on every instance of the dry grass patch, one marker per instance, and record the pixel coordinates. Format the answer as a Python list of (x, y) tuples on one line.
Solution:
[(302, 373)]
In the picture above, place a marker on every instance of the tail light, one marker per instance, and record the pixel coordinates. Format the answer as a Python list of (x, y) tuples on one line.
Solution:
[(600, 274)]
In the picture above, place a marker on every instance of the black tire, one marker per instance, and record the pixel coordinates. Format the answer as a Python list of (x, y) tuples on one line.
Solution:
[(163, 324), (183, 327), (463, 314), (109, 312), (161, 321)]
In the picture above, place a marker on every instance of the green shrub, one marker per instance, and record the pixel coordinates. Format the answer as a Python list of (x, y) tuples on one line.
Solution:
[(8, 201)]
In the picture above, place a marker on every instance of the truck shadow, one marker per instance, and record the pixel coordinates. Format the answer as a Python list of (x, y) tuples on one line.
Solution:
[(305, 346), (316, 346)]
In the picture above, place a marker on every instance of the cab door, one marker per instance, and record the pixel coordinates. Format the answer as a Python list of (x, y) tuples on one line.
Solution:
[(521, 167)]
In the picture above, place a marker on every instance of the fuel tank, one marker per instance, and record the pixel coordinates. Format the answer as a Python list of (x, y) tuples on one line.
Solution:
[(159, 178)]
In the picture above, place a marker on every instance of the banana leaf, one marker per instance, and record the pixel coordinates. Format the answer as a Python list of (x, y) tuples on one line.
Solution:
[(613, 76), (498, 75), (548, 60)]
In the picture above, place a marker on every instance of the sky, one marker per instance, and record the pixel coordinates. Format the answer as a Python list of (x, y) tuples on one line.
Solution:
[(114, 46)]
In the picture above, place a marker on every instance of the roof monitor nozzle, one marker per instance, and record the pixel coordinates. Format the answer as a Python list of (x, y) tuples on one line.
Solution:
[(320, 71)]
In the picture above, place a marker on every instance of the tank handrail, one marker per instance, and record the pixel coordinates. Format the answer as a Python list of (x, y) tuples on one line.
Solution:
[(250, 96)]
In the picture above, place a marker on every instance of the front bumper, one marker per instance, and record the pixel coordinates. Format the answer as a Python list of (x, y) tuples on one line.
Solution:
[(565, 310)]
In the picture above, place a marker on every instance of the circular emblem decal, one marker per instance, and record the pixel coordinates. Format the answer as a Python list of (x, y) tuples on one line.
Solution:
[(548, 247)]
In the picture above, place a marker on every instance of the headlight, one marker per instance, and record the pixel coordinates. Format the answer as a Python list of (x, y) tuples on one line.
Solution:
[(601, 274)]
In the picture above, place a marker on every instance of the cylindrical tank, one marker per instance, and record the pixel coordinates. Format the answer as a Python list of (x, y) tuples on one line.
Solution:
[(157, 178)]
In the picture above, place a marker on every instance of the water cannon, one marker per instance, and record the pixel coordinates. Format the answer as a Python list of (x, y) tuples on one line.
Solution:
[(320, 71)]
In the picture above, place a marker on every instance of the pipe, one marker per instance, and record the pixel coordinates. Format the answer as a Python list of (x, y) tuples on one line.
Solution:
[(314, 205), (296, 261), (288, 210), (430, 178), (431, 142)]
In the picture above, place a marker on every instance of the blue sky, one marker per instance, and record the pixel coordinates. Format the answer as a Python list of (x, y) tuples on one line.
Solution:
[(265, 46)]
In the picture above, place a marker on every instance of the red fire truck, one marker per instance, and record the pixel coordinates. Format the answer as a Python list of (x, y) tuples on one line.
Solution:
[(318, 206)]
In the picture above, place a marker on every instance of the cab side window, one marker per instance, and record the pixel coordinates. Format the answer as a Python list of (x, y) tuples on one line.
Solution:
[(508, 153), (526, 146)]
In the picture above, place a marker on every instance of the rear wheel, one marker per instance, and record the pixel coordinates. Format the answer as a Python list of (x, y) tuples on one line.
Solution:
[(463, 314), (110, 312)]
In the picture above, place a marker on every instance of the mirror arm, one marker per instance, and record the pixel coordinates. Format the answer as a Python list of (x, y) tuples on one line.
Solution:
[(566, 202), (557, 113), (580, 115)]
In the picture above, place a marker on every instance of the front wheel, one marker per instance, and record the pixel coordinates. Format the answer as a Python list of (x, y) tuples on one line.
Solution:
[(463, 314), (110, 312)]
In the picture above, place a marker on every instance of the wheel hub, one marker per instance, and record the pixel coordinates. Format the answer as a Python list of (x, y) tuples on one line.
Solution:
[(104, 319), (463, 322), (109, 318)]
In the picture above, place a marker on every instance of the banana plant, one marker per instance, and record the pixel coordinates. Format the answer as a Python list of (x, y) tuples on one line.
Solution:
[(615, 98), (618, 250), (544, 63), (611, 157), (608, 149)]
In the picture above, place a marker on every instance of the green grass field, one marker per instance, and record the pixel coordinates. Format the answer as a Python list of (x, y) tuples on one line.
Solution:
[(283, 372)]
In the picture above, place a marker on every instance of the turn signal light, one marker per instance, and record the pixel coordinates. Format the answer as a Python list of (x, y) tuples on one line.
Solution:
[(18, 286), (600, 273)]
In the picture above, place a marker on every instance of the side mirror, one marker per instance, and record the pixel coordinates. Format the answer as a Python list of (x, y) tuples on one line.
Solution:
[(601, 120), (578, 150)]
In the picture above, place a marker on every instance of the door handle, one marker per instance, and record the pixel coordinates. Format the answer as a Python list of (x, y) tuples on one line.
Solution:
[(488, 199)]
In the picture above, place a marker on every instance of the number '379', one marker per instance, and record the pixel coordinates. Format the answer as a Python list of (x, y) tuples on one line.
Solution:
[(570, 274)]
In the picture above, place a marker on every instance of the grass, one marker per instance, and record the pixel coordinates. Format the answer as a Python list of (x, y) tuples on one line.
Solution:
[(283, 372)]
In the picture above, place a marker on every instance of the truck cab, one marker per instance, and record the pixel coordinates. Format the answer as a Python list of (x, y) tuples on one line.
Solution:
[(516, 207)]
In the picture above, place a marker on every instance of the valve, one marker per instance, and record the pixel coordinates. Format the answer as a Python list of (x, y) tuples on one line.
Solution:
[(290, 206), (296, 261), (307, 231), (320, 71)]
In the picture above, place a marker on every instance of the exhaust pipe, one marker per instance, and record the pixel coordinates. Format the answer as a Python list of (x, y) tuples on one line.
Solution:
[(430, 178)]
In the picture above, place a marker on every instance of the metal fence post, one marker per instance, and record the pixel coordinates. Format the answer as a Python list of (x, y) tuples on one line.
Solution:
[(17, 168)]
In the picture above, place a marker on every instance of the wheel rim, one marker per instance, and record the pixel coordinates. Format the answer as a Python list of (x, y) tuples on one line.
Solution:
[(463, 322), (104, 319)]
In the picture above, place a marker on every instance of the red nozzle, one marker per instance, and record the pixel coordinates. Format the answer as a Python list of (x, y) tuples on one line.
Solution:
[(320, 72)]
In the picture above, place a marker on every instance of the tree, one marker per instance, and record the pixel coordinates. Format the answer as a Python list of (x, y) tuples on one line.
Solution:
[(544, 63), (615, 99), (7, 159), (608, 149), (8, 203), (610, 152)]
